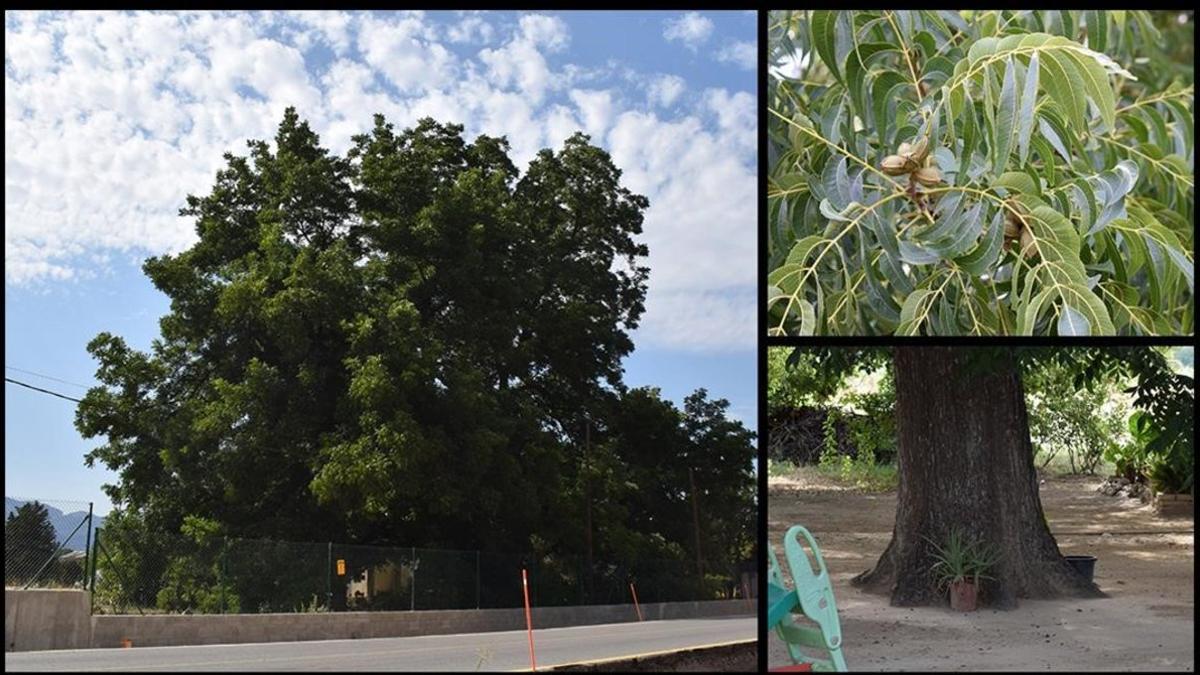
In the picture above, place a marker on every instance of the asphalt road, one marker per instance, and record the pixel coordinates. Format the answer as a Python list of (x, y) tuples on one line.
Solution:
[(507, 650)]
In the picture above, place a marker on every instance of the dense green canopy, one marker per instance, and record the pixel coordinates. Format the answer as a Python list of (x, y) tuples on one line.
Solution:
[(408, 345)]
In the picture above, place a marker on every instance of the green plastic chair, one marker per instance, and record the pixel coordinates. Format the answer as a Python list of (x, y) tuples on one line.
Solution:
[(811, 598)]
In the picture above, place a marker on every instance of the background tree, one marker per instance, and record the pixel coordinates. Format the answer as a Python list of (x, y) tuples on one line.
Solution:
[(980, 172), (966, 461), (29, 542)]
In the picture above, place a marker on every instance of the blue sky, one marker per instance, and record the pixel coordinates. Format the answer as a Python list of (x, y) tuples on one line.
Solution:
[(112, 118)]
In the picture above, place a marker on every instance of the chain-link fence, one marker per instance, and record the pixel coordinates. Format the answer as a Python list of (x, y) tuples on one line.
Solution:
[(177, 574), (46, 543)]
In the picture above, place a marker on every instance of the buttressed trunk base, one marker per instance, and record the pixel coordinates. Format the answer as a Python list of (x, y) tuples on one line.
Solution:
[(966, 462)]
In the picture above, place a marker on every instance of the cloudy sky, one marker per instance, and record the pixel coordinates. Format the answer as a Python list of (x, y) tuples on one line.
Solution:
[(111, 119)]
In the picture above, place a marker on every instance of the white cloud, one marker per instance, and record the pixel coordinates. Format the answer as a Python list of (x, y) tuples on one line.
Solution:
[(692, 29), (736, 115), (471, 29), (520, 62), (333, 28), (743, 54), (705, 321), (111, 119), (277, 72), (403, 50), (663, 90), (545, 31), (560, 124), (596, 107), (28, 51), (700, 228)]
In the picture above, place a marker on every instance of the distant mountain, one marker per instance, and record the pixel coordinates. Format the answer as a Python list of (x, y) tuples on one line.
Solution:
[(63, 523)]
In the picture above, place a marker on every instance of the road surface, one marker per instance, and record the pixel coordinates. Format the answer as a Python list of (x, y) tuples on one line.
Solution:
[(507, 650)]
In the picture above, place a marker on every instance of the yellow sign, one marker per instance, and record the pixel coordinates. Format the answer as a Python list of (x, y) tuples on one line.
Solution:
[(341, 567)]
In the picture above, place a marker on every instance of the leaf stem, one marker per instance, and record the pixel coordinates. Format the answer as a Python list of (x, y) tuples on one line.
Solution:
[(904, 49)]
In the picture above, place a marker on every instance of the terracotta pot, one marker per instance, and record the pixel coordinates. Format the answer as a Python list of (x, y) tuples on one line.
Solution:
[(962, 596)]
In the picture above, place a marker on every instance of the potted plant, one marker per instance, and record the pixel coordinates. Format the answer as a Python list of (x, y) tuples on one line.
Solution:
[(959, 566)]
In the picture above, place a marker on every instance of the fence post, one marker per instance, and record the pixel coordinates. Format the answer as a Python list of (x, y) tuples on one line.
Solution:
[(477, 579), (95, 559), (87, 547), (328, 576), (412, 600)]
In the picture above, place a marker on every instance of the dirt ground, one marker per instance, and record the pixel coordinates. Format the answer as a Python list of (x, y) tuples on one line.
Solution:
[(1147, 622)]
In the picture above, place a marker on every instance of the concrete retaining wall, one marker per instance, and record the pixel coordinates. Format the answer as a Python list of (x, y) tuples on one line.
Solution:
[(154, 631), (46, 619)]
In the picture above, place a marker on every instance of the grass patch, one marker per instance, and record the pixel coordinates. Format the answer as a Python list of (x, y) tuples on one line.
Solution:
[(866, 476), (780, 469)]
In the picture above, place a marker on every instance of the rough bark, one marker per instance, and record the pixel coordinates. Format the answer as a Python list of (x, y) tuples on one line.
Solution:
[(966, 461)]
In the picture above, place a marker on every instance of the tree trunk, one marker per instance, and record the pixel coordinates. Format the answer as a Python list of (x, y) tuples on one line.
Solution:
[(966, 462)]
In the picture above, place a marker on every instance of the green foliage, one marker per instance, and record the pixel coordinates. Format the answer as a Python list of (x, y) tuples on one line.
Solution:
[(1167, 427), (874, 431), (780, 468), (1062, 142), (862, 470), (829, 443), (29, 543), (1131, 458), (413, 343), (189, 584), (798, 377), (1081, 423), (313, 606), (1073, 401), (788, 387), (863, 473), (133, 558), (961, 559), (1170, 467), (1173, 473)]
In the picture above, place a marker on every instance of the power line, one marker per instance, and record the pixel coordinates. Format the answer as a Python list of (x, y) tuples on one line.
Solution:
[(46, 377), (44, 391)]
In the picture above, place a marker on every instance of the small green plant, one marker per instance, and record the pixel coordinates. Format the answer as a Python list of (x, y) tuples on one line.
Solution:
[(829, 451), (312, 606), (861, 470), (1132, 459), (961, 559), (780, 468), (1173, 471)]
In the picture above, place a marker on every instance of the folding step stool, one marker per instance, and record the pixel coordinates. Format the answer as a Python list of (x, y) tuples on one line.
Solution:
[(811, 598)]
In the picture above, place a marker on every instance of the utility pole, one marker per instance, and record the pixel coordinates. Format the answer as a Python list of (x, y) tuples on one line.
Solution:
[(587, 495), (696, 522)]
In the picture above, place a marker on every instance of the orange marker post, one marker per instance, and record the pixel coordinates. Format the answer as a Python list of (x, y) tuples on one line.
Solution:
[(635, 601), (528, 619)]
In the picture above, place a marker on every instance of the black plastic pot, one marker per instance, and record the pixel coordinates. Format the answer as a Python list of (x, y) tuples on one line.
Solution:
[(1084, 564)]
